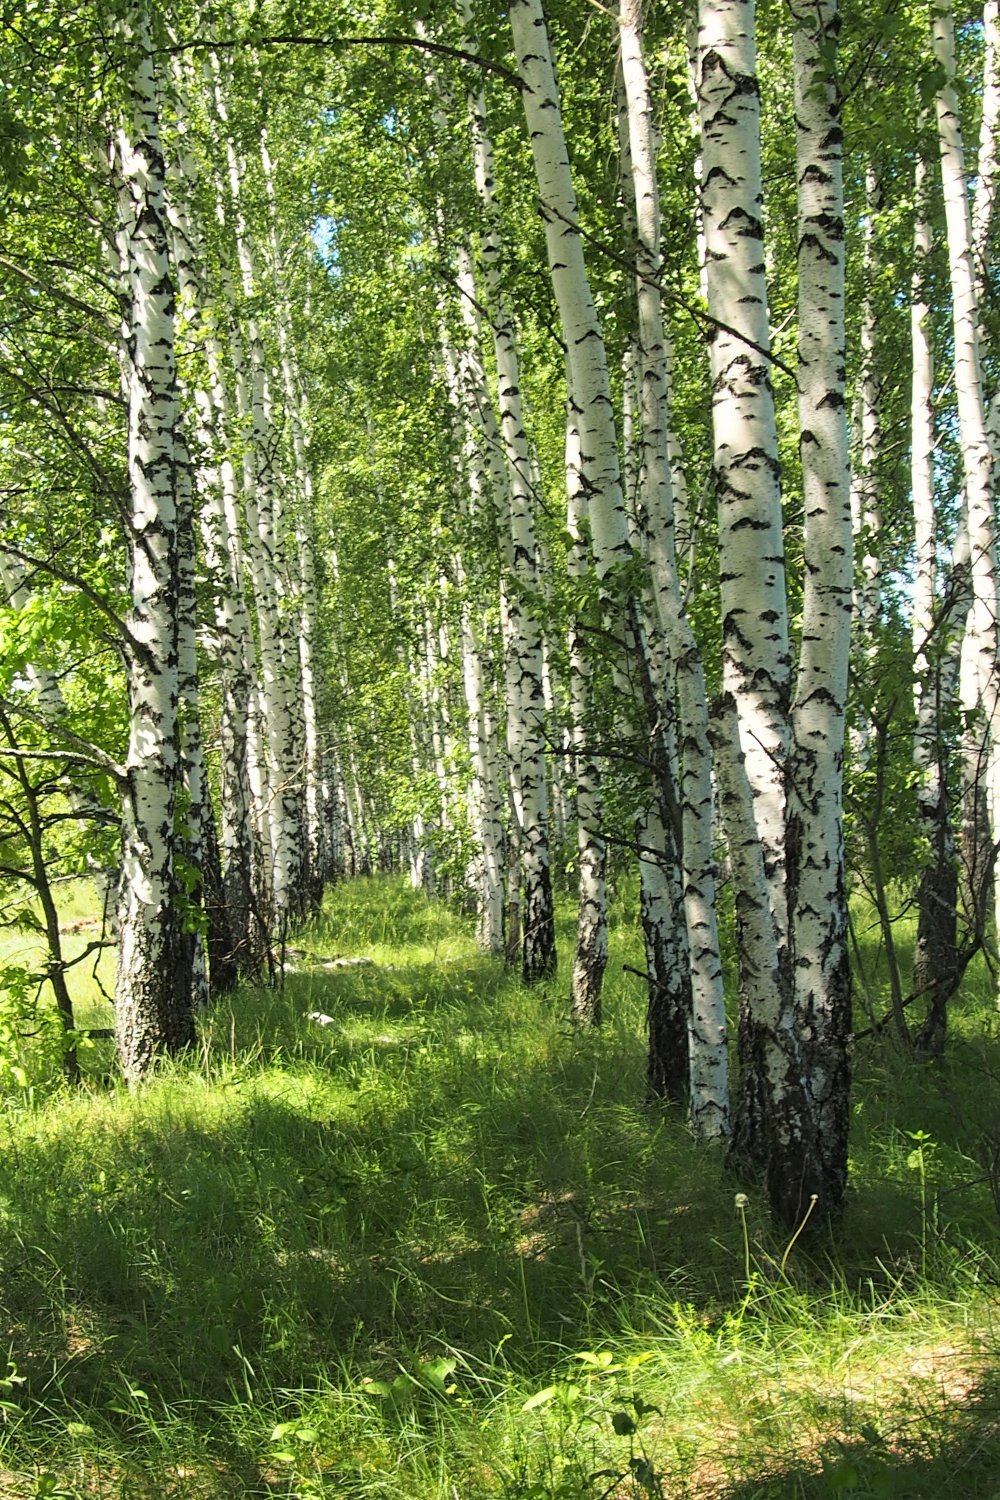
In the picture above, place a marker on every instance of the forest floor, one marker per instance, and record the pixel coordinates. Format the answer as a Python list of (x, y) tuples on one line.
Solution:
[(435, 1246)]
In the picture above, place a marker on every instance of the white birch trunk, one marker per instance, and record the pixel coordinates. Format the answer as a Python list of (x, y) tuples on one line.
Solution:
[(526, 721), (816, 883), (487, 808), (591, 954), (590, 393), (771, 1064), (658, 829), (984, 203), (302, 581), (153, 999), (934, 959), (591, 385), (231, 641), (707, 1037), (513, 496), (200, 881), (980, 685), (755, 646), (866, 508), (487, 811), (279, 664)]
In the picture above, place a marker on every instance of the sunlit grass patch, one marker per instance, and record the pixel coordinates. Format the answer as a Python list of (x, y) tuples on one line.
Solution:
[(438, 1243)]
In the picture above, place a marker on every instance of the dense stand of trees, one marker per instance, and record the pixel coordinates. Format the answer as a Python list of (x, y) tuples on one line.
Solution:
[(509, 448)]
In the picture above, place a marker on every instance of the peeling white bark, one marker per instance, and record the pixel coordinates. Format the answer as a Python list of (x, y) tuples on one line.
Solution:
[(987, 163), (980, 673), (707, 1038), (815, 852), (153, 987), (756, 653)]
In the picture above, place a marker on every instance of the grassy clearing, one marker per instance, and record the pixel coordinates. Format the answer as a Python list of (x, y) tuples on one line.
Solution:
[(91, 981), (441, 1248)]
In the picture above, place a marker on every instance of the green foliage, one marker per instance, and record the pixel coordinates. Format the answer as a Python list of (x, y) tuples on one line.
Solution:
[(33, 1041)]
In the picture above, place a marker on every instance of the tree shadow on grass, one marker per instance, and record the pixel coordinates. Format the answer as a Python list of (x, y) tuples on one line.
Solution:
[(428, 1172), (307, 1216), (926, 1449)]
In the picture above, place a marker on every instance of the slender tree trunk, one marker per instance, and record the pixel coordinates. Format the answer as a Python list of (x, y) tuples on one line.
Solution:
[(278, 661), (198, 852), (988, 162), (658, 824), (769, 1126), (866, 507), (475, 503), (816, 885), (707, 1043), (589, 383), (980, 674), (935, 955), (591, 955), (756, 657), (153, 1000), (302, 566), (755, 645), (530, 785), (507, 454), (32, 826), (232, 643)]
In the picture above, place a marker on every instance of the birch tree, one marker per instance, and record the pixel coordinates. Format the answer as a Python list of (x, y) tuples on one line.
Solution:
[(980, 682), (600, 477), (756, 657), (708, 1057), (788, 746), (153, 995), (515, 495), (935, 958), (816, 881)]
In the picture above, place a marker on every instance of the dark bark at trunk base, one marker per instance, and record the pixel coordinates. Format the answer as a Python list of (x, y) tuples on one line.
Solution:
[(222, 967), (935, 959), (668, 1012), (539, 936), (748, 1149), (512, 903), (153, 1010)]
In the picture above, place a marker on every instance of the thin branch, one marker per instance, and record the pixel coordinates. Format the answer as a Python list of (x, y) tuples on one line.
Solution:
[(46, 565), (96, 758), (45, 398), (69, 757), (59, 293), (962, 962), (96, 945), (440, 49), (698, 314)]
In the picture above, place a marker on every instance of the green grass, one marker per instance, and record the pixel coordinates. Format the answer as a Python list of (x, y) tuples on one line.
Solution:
[(442, 1249), (91, 981)]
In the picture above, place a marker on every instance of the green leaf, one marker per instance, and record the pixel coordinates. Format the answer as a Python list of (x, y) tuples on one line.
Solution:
[(602, 1360), (842, 1476), (540, 1398), (623, 1424)]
